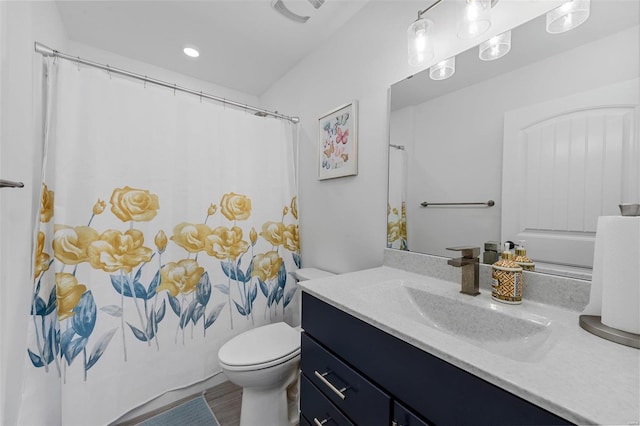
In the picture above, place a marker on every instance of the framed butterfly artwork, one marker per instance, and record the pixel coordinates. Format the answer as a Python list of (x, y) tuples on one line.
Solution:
[(338, 142)]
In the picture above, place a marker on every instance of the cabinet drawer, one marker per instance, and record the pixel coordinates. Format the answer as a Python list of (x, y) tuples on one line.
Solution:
[(318, 409), (362, 401), (403, 417), (304, 421)]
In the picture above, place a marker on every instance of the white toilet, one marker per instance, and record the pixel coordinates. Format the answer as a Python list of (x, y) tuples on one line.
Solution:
[(264, 361)]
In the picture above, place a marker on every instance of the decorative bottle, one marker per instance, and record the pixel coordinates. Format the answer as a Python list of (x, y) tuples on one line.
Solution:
[(522, 259), (507, 279)]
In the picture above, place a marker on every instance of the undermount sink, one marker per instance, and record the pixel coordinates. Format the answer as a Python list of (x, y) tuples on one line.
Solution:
[(502, 329)]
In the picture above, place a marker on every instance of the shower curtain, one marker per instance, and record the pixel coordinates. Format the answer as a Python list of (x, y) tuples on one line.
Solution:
[(396, 207), (168, 224)]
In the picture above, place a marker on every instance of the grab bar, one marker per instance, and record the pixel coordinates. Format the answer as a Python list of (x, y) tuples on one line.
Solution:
[(10, 184), (489, 203)]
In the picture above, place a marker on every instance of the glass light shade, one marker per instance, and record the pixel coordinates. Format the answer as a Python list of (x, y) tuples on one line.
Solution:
[(443, 69), (420, 42), (496, 47), (568, 16), (474, 18)]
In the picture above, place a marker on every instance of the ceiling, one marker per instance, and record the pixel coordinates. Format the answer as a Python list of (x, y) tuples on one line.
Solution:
[(244, 44)]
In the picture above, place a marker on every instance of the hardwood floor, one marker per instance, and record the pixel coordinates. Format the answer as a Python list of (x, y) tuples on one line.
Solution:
[(224, 400)]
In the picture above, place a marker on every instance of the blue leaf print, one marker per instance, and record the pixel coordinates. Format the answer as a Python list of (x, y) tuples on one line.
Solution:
[(48, 354), (253, 293), (297, 260), (282, 276), (241, 309), (138, 274), (153, 285), (137, 332), (75, 347), (263, 288), (52, 303), (99, 348), (85, 315), (66, 339), (161, 311), (152, 325), (223, 288), (186, 315), (118, 280), (175, 305), (113, 310), (203, 289), (35, 359), (56, 342), (279, 294), (289, 296), (247, 275), (272, 295), (213, 316), (39, 307), (198, 312), (232, 271)]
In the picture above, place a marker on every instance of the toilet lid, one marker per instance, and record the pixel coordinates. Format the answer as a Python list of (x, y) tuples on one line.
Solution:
[(260, 345)]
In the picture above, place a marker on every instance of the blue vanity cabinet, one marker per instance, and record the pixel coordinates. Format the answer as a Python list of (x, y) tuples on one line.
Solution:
[(421, 387)]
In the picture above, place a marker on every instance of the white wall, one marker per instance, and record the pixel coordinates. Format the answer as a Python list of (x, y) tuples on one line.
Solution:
[(468, 124), (343, 221), (22, 23)]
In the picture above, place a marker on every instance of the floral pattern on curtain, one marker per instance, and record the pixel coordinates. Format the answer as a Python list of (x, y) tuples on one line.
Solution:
[(138, 283)]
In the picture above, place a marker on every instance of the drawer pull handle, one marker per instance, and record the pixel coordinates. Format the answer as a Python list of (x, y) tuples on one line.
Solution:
[(335, 390), (320, 422)]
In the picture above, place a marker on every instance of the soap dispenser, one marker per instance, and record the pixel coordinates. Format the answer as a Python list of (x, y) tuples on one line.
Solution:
[(522, 259), (507, 279)]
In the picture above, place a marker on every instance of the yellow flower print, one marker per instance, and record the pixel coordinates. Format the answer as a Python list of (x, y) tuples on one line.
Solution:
[(68, 294), (181, 277), (226, 243), (393, 231), (212, 210), (42, 259), (266, 266), (99, 207), (285, 210), (235, 206), (138, 205), (114, 251), (253, 236), (294, 206), (273, 232), (291, 238), (161, 241), (191, 237), (70, 244), (46, 207)]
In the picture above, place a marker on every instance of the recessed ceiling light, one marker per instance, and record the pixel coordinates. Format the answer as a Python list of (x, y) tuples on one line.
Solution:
[(191, 52)]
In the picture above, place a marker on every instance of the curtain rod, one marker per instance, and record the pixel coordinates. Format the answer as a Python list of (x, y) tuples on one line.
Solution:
[(47, 51)]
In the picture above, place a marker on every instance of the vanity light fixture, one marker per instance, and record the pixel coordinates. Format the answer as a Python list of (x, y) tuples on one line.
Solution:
[(474, 18), (420, 41), (496, 47), (191, 52), (568, 16), (443, 69)]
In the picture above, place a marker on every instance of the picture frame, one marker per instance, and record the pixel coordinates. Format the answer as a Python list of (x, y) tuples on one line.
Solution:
[(338, 142)]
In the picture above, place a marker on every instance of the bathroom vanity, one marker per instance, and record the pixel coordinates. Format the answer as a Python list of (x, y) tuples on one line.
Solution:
[(386, 346)]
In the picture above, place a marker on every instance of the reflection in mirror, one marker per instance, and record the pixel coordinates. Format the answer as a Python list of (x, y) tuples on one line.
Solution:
[(549, 132)]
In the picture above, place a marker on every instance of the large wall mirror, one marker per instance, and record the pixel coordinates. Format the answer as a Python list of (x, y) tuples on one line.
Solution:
[(548, 132)]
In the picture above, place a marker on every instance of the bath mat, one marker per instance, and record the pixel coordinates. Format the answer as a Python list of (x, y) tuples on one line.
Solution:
[(193, 413)]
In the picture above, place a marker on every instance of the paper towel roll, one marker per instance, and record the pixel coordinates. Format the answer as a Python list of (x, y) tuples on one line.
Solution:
[(620, 273), (595, 299)]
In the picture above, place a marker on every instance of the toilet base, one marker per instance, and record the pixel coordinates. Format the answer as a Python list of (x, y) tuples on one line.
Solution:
[(261, 406)]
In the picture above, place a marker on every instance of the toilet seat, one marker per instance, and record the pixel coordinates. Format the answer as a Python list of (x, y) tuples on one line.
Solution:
[(261, 347)]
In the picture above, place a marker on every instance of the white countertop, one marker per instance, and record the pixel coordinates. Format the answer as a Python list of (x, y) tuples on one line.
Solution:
[(578, 376)]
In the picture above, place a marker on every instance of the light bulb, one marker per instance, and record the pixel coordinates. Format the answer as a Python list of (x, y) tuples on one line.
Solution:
[(419, 42), (191, 52), (474, 18), (443, 69), (568, 16), (496, 47)]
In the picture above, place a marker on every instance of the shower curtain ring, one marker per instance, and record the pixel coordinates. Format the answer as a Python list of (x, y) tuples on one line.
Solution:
[(201, 96), (145, 81), (109, 71), (77, 62), (174, 89)]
